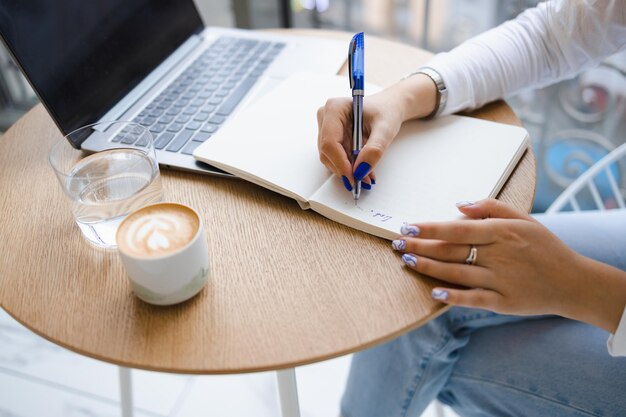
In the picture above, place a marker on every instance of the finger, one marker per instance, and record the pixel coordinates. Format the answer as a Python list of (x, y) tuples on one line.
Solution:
[(472, 232), (372, 176), (434, 249), (477, 298), (490, 208), (460, 274), (377, 142), (331, 134), (329, 164)]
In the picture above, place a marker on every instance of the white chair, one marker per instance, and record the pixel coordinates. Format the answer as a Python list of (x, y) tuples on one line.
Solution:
[(587, 181)]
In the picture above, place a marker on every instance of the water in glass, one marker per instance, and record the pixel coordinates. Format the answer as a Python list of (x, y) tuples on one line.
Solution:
[(106, 186)]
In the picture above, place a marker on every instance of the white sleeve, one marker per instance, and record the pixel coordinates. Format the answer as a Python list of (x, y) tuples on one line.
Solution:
[(617, 341), (548, 43)]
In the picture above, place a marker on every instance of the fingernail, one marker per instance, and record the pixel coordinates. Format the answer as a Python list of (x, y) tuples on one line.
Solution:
[(361, 171), (409, 230), (410, 260), (441, 295), (398, 244), (462, 204), (346, 183), (366, 186), (373, 181)]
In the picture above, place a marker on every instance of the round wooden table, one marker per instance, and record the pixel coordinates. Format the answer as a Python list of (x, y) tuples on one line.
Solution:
[(281, 293)]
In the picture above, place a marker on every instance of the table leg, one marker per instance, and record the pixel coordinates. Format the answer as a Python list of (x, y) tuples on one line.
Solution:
[(288, 393), (126, 392), (439, 411)]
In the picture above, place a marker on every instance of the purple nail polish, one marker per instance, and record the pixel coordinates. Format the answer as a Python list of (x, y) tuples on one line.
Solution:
[(346, 183), (373, 181), (409, 230), (409, 259), (441, 295), (398, 244), (366, 186)]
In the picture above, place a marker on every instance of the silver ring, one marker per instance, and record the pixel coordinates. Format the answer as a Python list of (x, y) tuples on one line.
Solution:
[(473, 254)]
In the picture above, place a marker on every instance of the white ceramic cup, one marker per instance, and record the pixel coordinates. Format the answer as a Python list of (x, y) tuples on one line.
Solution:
[(170, 278)]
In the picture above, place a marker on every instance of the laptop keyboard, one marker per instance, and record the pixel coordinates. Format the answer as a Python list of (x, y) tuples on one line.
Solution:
[(199, 101)]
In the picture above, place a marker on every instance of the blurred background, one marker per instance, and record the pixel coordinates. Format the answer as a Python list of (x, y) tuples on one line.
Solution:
[(572, 124)]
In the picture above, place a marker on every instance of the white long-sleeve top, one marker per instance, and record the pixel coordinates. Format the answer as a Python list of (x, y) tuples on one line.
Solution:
[(554, 41)]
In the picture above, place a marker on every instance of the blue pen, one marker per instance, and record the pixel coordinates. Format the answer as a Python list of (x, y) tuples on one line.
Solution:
[(356, 69)]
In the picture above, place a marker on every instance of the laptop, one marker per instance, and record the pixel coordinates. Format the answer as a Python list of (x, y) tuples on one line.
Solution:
[(152, 62)]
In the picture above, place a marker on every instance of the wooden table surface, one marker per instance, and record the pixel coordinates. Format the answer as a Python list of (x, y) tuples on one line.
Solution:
[(281, 294)]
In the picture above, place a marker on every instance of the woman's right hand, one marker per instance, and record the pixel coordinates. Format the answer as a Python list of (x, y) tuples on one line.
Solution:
[(383, 114)]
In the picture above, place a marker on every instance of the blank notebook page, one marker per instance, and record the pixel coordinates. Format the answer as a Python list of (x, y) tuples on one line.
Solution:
[(274, 140), (428, 168)]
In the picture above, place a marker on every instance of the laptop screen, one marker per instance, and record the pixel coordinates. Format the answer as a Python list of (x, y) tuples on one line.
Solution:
[(83, 56)]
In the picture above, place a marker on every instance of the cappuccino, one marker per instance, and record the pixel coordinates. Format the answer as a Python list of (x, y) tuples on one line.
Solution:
[(157, 230)]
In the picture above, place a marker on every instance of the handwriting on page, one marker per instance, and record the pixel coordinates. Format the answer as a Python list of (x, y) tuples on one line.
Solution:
[(380, 216), (377, 215)]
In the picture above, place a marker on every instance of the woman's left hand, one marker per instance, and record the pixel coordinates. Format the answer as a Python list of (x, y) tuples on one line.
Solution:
[(521, 268)]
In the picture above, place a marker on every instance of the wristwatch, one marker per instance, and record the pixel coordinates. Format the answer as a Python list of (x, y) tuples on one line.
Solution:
[(442, 91)]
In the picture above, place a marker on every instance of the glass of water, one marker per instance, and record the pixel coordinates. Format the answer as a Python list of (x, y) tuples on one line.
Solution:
[(103, 187)]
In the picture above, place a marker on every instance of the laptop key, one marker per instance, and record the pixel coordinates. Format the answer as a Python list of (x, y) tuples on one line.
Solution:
[(191, 110), (167, 119), (194, 125), (163, 140), (158, 128), (209, 128), (180, 140), (143, 141), (201, 137), (201, 117), (237, 95), (175, 127), (148, 121), (173, 111), (181, 102), (191, 146), (129, 138), (183, 118), (217, 120)]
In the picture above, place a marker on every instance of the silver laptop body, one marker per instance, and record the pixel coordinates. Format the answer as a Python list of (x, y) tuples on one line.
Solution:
[(177, 130)]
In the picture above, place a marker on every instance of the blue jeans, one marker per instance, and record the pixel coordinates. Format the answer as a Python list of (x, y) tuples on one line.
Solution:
[(486, 364)]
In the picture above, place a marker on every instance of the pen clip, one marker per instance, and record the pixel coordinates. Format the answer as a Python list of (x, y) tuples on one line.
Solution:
[(351, 50)]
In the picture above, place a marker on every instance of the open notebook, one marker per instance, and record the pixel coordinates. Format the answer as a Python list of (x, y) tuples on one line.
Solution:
[(426, 170)]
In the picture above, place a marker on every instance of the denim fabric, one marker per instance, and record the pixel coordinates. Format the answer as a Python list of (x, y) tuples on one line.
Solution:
[(486, 364)]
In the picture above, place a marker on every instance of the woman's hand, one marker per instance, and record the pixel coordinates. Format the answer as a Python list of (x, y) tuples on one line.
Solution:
[(521, 267), (383, 114)]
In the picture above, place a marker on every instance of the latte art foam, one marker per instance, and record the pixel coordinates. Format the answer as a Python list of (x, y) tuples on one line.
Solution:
[(157, 230)]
